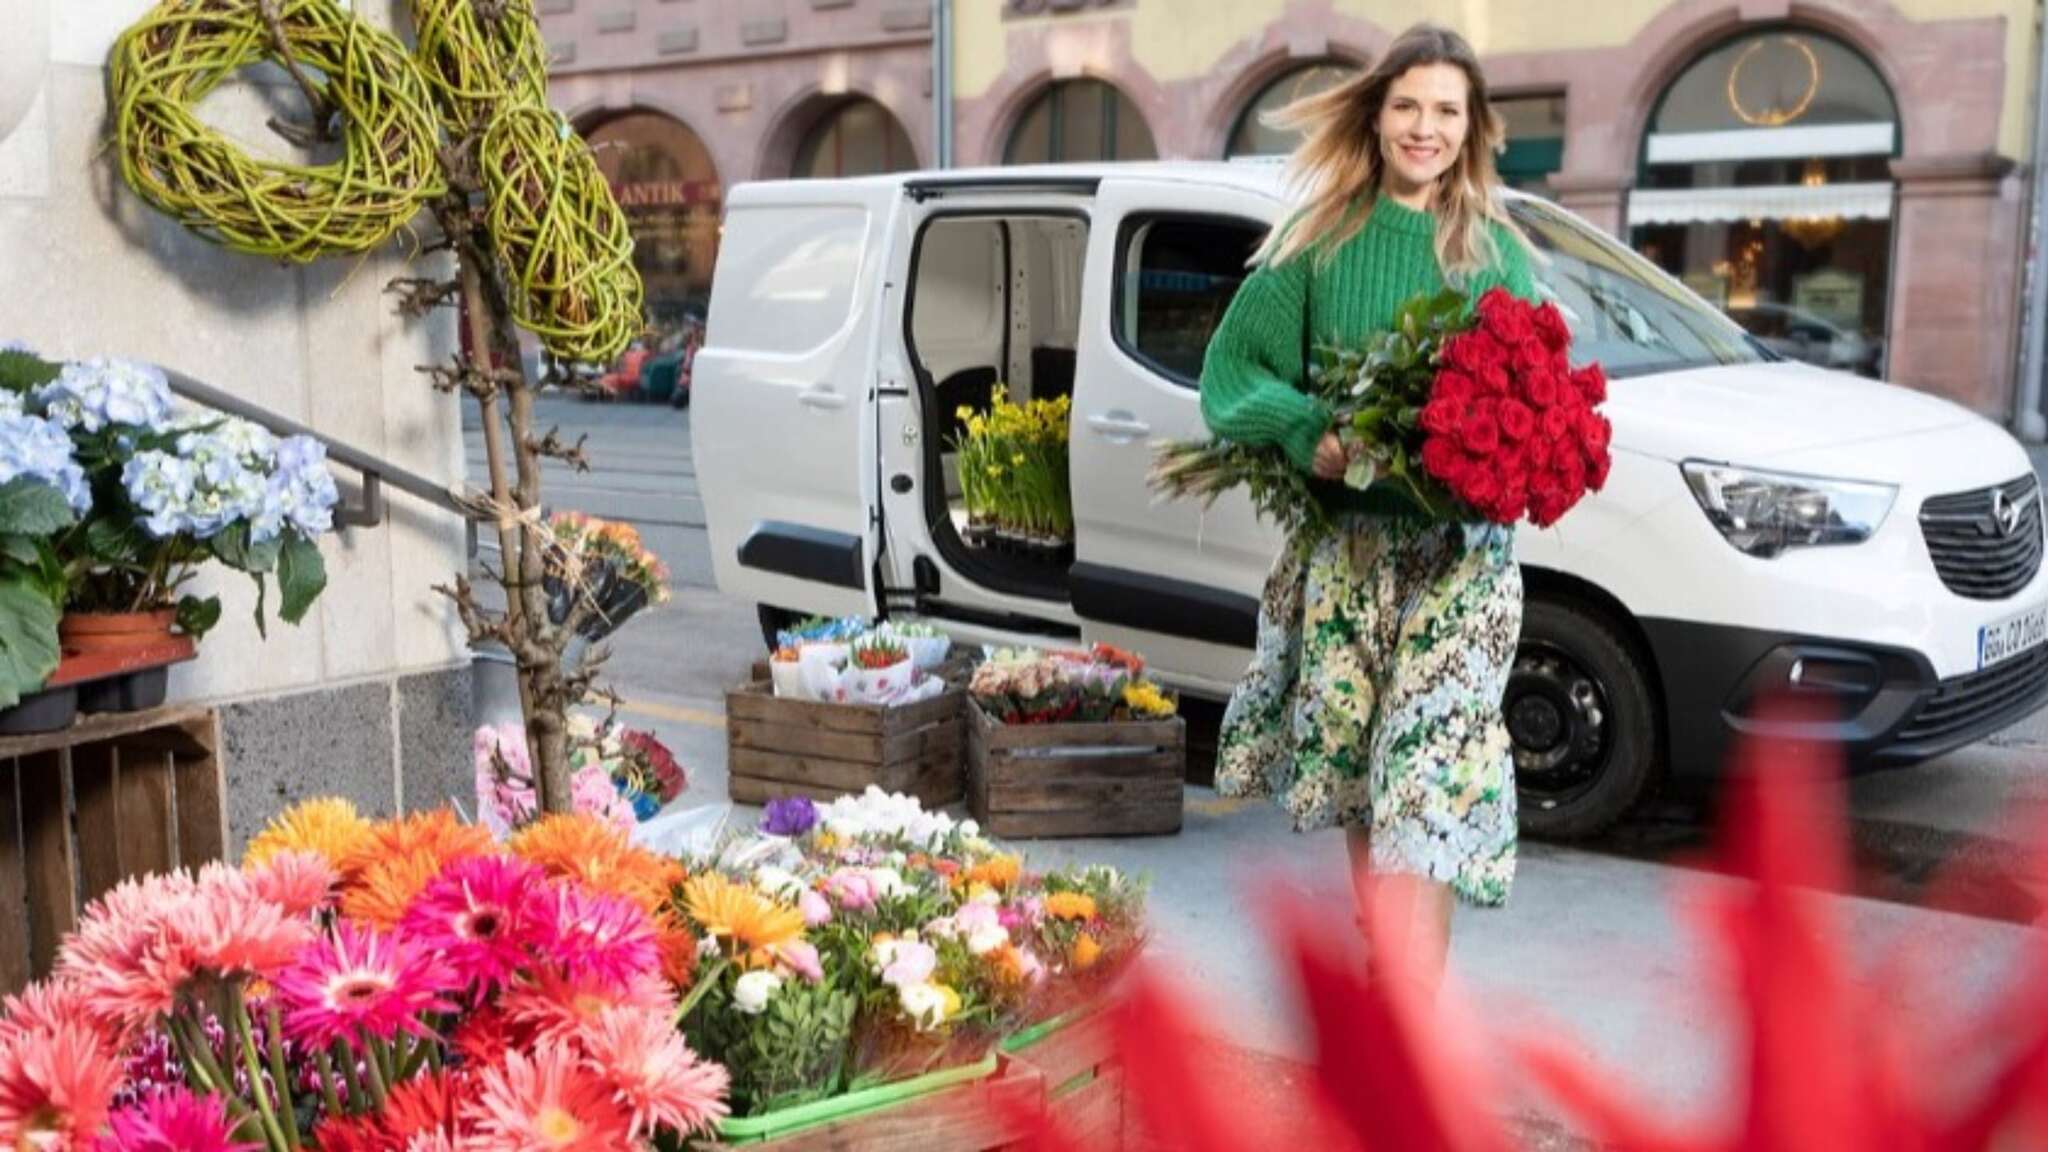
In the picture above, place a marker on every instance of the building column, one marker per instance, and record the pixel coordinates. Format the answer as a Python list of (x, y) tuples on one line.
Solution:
[(1600, 197), (1955, 279)]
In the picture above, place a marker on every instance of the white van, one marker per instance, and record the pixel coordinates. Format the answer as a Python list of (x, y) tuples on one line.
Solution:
[(1768, 526)]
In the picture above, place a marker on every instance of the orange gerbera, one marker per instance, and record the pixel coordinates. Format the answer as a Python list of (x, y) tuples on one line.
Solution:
[(597, 855), (329, 827), (998, 872), (435, 834), (381, 892), (678, 950), (1086, 952), (747, 924), (1070, 906)]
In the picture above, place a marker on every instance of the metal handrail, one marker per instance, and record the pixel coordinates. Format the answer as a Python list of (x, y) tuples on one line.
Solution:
[(375, 471)]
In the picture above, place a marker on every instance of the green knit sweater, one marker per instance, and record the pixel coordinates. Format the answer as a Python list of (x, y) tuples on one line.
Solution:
[(1253, 374)]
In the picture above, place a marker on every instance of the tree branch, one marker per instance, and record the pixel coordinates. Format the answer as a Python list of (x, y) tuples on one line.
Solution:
[(322, 128), (551, 446), (420, 295)]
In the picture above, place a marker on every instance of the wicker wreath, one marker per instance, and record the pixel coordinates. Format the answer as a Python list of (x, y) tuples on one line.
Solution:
[(480, 53), (560, 236), (163, 66)]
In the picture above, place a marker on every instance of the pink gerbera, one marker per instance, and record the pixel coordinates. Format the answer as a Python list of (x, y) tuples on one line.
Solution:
[(173, 1121), (228, 928), (653, 1073), (115, 955), (301, 883), (549, 1103), (41, 1007), (56, 1085), (557, 1008), (360, 980), (598, 935), (481, 916)]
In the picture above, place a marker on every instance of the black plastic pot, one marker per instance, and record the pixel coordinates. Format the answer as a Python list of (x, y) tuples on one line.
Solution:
[(132, 692), (44, 711)]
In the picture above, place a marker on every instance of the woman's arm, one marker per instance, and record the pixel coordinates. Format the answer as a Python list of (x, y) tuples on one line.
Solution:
[(1510, 269), (1252, 374)]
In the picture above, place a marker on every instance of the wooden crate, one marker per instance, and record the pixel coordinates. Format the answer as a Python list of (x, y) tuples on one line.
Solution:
[(113, 796), (1081, 1081), (980, 1116), (1037, 780), (777, 747)]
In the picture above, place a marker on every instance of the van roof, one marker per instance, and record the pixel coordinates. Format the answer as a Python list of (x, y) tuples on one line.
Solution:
[(1261, 175)]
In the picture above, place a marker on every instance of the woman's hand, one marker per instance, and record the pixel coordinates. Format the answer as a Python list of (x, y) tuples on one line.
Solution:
[(1331, 458)]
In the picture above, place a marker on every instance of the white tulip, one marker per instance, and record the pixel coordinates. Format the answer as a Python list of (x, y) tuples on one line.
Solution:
[(750, 995)]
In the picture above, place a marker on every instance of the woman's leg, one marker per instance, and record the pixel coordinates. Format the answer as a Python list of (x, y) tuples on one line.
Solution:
[(1414, 915)]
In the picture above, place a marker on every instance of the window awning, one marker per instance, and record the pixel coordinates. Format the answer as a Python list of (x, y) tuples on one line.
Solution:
[(1867, 201), (1789, 143)]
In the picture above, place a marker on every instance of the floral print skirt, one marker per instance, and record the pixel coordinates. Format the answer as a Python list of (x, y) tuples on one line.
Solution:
[(1374, 698)]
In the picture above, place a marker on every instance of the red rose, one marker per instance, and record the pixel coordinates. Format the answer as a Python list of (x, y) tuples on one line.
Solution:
[(1442, 459), (1481, 429), (1532, 359), (1541, 389), (1596, 472), (1551, 328), (1502, 314), (1442, 416), (1472, 352), (1453, 386), (1548, 508), (1495, 381), (1591, 381), (1481, 486), (1596, 432), (1516, 421), (1538, 451), (1557, 423), (1571, 470)]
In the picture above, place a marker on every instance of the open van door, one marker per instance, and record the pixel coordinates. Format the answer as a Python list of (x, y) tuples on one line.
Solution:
[(783, 412), (1172, 580)]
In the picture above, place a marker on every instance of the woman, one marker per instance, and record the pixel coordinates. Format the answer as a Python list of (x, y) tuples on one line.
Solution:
[(1384, 646)]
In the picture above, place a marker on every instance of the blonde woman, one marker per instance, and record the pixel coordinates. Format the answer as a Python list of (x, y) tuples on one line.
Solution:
[(1384, 646)]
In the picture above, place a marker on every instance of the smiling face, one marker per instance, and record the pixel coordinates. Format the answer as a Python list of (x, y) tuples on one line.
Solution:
[(1422, 128)]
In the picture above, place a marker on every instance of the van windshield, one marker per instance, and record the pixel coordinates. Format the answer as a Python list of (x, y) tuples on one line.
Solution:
[(1622, 310)]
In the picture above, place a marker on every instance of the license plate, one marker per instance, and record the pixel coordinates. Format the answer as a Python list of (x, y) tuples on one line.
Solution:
[(2011, 636)]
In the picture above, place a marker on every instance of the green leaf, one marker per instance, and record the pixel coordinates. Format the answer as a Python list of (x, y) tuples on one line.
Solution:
[(262, 589), (28, 639), (1360, 473), (32, 508), (25, 372), (19, 549), (197, 616), (231, 547), (113, 542), (301, 575)]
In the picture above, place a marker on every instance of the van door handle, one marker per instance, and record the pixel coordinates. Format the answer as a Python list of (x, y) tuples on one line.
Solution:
[(1118, 426), (825, 399)]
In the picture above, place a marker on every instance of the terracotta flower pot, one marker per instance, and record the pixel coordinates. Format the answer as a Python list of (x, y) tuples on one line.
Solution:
[(93, 632)]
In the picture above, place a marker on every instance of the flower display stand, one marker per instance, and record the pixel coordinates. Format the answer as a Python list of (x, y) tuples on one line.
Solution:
[(778, 747), (81, 808), (1081, 1083), (990, 1109), (1026, 781)]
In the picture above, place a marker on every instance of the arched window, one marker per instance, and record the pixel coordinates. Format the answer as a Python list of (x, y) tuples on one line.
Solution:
[(1080, 120), (663, 177), (1251, 136), (855, 138), (1766, 185)]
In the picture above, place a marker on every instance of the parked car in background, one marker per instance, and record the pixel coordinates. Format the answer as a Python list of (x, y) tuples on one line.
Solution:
[(1769, 527), (1800, 335)]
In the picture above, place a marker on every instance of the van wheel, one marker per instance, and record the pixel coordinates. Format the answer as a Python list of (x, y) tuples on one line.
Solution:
[(774, 620), (1583, 719)]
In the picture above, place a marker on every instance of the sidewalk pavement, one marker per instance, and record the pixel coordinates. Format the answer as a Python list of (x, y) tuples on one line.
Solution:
[(1599, 946)]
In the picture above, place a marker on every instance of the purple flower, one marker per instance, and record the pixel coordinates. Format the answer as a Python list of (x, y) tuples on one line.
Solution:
[(789, 816)]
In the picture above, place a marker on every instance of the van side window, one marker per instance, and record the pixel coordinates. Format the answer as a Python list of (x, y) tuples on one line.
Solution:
[(1175, 278), (786, 280)]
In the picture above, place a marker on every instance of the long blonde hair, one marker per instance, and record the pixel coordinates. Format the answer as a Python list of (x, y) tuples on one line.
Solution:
[(1338, 166)]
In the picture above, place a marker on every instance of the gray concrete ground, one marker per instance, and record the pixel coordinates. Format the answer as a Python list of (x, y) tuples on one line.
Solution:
[(1596, 940)]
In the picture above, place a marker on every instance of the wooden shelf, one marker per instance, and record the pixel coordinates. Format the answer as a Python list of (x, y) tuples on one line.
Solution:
[(104, 726)]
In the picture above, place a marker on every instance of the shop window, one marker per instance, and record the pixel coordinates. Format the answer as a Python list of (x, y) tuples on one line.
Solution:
[(1075, 121), (856, 138), (1253, 137), (663, 177), (1535, 140)]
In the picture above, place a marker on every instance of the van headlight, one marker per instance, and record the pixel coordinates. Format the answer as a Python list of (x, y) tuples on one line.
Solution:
[(1764, 513)]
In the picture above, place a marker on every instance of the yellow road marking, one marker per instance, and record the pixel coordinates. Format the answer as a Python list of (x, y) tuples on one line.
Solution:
[(1220, 806), (673, 713)]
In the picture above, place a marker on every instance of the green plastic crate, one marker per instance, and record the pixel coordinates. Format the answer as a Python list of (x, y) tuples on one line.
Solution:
[(789, 1121)]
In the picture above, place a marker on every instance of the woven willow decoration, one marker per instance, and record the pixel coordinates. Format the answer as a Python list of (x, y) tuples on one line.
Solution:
[(560, 235), (478, 54), (163, 66)]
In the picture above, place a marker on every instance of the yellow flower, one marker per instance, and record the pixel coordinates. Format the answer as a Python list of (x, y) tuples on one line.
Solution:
[(1017, 458), (1086, 952), (979, 891), (752, 926), (1070, 906), (997, 872), (1145, 698), (963, 412), (995, 470), (328, 827), (950, 998)]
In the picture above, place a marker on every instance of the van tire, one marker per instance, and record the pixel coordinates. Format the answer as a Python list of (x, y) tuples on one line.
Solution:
[(774, 620), (1583, 718)]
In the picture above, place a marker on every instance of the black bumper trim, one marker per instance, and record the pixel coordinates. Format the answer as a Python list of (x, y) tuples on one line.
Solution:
[(815, 554), (1132, 599)]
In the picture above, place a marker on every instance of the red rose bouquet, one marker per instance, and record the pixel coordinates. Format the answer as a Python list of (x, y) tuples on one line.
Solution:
[(1471, 414)]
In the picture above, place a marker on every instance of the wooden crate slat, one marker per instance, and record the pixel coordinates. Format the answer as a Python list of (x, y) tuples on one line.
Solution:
[(942, 736), (51, 866), (940, 709), (200, 789), (757, 790), (14, 960), (148, 838), (1128, 734), (96, 791), (1093, 1113), (102, 726), (935, 779), (803, 740), (1050, 825), (1005, 770), (1081, 1046), (1064, 794), (759, 702), (817, 771)]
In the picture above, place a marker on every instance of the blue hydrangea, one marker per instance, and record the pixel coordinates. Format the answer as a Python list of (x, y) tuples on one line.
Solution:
[(92, 394), (36, 448), (10, 403), (161, 486), (301, 492)]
